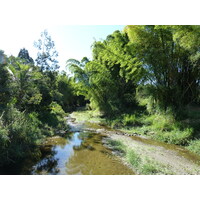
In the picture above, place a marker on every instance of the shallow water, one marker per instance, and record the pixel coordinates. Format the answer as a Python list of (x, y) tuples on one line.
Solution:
[(180, 150), (82, 153)]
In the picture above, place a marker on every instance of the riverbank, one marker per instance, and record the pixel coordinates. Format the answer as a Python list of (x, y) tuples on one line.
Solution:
[(159, 127), (143, 155)]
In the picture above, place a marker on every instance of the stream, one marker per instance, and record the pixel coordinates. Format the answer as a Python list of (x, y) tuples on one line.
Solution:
[(82, 152), (79, 153)]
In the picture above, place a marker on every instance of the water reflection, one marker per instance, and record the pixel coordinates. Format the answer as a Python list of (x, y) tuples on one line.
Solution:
[(47, 166), (80, 153), (57, 152), (93, 158)]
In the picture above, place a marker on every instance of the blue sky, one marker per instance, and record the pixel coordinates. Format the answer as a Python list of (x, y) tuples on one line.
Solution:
[(71, 41)]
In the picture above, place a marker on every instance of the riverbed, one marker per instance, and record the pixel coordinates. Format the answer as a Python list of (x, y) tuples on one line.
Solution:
[(82, 151)]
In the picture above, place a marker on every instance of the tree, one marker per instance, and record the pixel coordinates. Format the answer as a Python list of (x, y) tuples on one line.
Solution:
[(188, 38), (47, 54), (2, 58), (30, 105), (81, 78), (24, 55), (171, 72), (25, 90), (5, 82), (109, 80)]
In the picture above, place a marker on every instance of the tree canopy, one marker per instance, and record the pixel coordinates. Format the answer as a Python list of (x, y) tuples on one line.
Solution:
[(47, 54), (172, 65)]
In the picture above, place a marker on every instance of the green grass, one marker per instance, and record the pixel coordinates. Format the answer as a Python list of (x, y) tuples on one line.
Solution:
[(130, 120), (140, 163), (89, 116), (194, 146), (133, 158), (175, 137), (152, 168), (158, 126), (117, 146), (160, 122), (164, 127), (144, 165)]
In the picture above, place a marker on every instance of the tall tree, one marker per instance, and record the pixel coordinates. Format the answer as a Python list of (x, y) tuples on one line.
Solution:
[(25, 90), (5, 81), (109, 80), (81, 78), (172, 73), (2, 58), (24, 55), (47, 54)]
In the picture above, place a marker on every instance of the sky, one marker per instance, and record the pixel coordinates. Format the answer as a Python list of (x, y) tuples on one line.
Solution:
[(71, 41)]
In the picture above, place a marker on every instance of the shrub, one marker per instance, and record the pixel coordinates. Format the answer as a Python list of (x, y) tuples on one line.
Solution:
[(194, 146), (129, 120), (150, 168), (4, 136), (161, 122), (175, 137), (54, 117), (19, 133), (117, 123)]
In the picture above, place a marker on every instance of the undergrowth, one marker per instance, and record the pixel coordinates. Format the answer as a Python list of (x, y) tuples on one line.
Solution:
[(194, 146), (162, 126)]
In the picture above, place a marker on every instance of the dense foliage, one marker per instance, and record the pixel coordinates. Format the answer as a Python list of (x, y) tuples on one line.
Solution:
[(159, 62), (146, 78), (109, 81), (137, 78), (34, 100), (171, 60)]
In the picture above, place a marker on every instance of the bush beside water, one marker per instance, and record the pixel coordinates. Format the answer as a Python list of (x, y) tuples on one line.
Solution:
[(21, 132)]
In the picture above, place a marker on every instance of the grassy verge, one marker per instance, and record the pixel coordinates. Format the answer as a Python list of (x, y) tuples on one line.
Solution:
[(194, 146), (140, 163), (146, 159), (88, 116), (161, 127)]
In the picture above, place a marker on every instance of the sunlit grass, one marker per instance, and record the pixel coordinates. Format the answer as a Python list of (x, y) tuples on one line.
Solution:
[(140, 163), (162, 127), (89, 116), (194, 146)]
